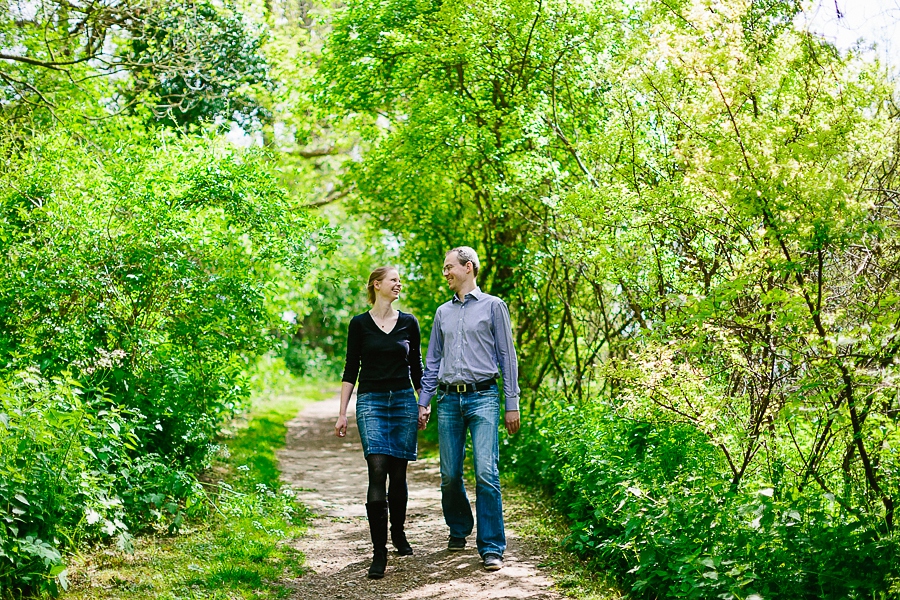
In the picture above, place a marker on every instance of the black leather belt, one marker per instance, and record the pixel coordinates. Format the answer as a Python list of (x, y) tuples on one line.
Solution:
[(462, 388)]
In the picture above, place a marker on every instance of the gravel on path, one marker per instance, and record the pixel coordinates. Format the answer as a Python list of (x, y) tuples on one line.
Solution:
[(329, 475)]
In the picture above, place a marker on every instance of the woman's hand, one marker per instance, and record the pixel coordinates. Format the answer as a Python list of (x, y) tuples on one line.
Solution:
[(424, 415), (340, 428)]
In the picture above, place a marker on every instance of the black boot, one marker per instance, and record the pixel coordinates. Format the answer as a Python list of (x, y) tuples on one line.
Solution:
[(378, 527), (397, 510)]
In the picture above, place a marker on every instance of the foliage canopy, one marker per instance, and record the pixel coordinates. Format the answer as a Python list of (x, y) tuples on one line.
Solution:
[(692, 209)]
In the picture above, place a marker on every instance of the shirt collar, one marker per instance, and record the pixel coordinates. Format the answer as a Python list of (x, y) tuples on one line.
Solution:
[(474, 294)]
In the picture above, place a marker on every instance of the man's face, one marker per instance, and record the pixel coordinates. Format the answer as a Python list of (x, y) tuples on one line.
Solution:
[(454, 273)]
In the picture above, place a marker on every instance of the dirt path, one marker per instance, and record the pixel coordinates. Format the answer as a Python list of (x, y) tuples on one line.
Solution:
[(331, 474)]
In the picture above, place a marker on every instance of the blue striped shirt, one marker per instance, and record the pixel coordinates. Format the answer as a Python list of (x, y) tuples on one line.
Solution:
[(471, 341)]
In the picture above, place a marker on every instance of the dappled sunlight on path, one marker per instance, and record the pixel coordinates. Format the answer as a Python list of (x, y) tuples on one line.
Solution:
[(330, 476)]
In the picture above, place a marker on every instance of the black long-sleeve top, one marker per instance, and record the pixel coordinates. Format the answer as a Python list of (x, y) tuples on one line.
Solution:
[(383, 361)]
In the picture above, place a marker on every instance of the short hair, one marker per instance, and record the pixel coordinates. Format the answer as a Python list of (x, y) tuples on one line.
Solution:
[(376, 275), (467, 254)]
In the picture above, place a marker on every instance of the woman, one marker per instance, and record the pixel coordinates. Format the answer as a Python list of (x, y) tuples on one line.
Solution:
[(383, 350)]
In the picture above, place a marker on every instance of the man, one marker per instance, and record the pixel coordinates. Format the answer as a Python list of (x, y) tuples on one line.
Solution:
[(471, 345)]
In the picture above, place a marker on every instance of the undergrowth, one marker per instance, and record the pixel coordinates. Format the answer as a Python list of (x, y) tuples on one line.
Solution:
[(240, 548), (644, 501), (538, 521)]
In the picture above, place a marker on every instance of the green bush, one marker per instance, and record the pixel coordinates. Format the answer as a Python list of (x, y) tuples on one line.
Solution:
[(144, 269), (138, 289), (60, 452), (649, 501)]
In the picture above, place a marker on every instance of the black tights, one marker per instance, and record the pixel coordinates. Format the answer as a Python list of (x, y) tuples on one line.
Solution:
[(382, 466)]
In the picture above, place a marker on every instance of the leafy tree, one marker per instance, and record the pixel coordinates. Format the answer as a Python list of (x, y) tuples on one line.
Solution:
[(148, 271), (143, 282), (161, 252), (691, 207), (462, 156), (758, 182), (189, 61), (197, 62)]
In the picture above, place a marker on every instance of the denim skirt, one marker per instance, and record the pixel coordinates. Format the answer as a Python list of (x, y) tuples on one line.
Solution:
[(388, 422)]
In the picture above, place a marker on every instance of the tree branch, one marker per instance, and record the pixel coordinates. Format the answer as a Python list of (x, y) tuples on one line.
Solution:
[(329, 150), (47, 64), (332, 197)]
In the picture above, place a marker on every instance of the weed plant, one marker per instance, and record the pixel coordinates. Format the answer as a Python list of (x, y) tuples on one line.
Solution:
[(649, 501)]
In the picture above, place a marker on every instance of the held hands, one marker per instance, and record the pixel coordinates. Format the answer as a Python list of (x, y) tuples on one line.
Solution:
[(340, 428), (512, 421), (424, 415)]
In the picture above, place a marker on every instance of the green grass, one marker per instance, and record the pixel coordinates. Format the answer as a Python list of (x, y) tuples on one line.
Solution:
[(241, 549)]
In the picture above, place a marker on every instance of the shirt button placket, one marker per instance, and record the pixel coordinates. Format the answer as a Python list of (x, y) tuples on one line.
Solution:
[(459, 338)]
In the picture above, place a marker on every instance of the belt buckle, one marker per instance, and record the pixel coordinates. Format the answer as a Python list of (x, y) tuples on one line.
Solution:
[(460, 388)]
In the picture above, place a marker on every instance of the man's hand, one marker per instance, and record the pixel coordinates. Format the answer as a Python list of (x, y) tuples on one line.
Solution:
[(424, 415), (512, 421)]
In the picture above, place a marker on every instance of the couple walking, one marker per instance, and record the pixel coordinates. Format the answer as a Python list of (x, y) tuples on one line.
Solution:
[(471, 347)]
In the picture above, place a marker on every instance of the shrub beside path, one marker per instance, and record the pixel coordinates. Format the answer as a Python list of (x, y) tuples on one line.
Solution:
[(330, 476)]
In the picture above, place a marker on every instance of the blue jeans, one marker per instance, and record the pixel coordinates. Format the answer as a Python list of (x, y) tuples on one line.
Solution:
[(479, 413)]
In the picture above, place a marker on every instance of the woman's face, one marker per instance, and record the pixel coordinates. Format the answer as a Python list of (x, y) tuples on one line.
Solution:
[(389, 287)]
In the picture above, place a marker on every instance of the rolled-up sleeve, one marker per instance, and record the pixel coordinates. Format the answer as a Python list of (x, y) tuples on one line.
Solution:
[(506, 354), (432, 361)]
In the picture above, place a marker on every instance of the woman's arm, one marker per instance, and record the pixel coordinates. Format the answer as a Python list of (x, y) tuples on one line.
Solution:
[(351, 372), (340, 428)]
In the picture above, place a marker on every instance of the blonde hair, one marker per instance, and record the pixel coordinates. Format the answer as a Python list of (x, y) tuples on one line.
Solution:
[(376, 275)]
